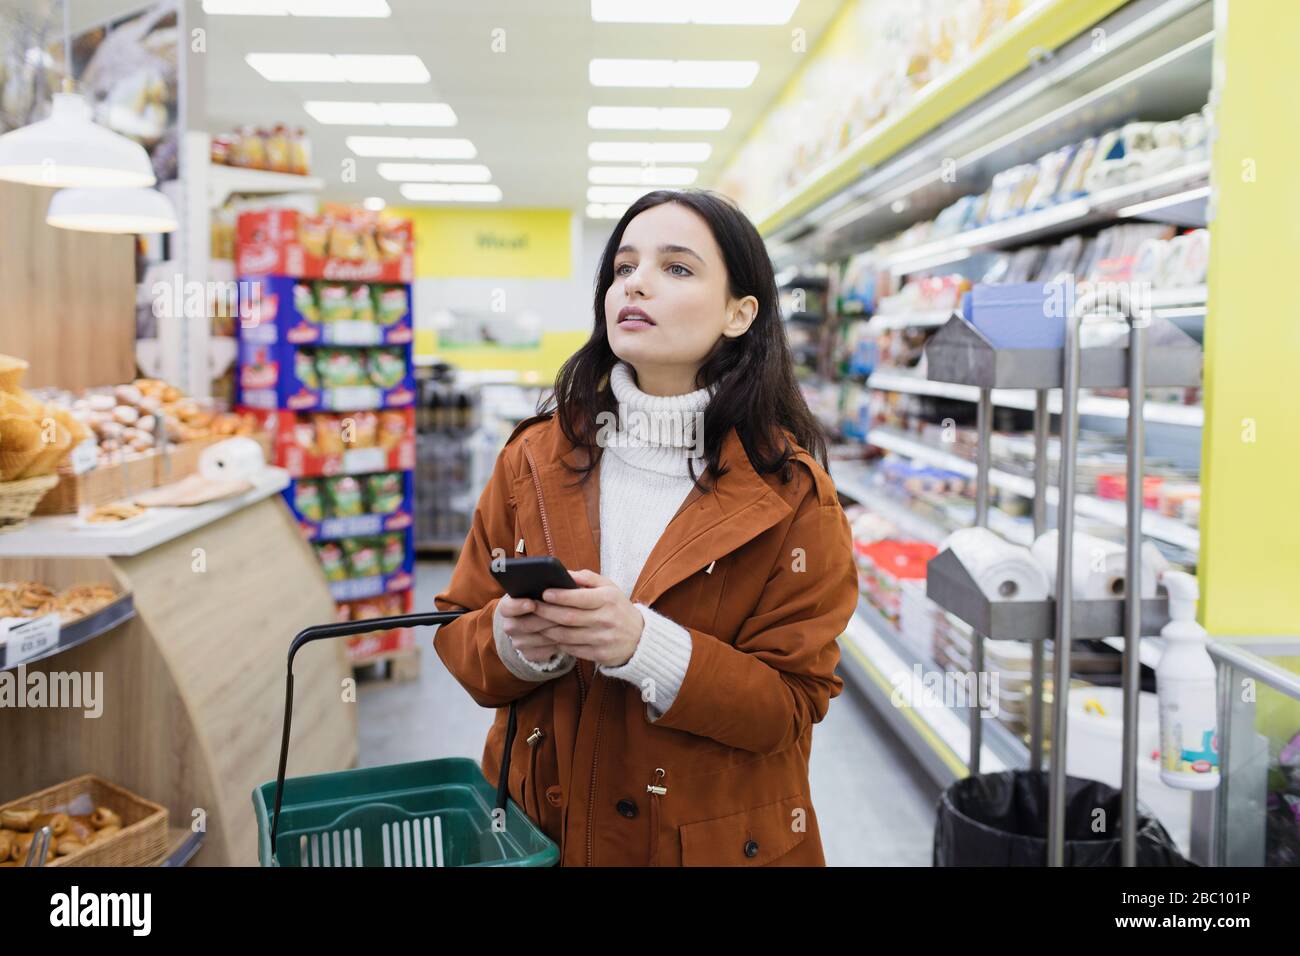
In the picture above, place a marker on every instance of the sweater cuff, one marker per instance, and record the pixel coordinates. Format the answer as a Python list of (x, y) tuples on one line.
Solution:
[(519, 665), (658, 666)]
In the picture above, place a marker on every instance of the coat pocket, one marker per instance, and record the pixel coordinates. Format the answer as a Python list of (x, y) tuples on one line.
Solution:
[(752, 837)]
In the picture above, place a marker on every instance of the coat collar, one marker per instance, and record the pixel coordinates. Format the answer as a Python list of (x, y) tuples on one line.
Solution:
[(708, 526)]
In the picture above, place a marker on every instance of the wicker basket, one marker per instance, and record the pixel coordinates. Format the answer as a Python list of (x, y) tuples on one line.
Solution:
[(142, 841), (18, 499)]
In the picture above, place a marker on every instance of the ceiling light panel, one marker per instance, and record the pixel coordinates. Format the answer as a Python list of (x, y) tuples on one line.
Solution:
[(651, 117), (695, 74), (435, 172), (298, 8), (340, 68), (649, 152), (451, 192), (749, 13), (642, 176), (353, 113), (411, 147)]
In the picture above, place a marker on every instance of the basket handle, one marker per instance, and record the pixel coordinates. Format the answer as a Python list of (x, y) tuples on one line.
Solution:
[(322, 632)]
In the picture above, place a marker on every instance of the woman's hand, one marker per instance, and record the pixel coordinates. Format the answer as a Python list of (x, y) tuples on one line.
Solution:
[(594, 621), (526, 630)]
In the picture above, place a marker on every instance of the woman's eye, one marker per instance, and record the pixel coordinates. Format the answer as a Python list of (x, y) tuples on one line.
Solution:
[(677, 265), (618, 269)]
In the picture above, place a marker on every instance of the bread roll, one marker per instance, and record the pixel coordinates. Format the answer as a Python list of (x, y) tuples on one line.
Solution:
[(7, 843), (11, 372), (57, 822), (18, 819), (104, 817), (20, 444)]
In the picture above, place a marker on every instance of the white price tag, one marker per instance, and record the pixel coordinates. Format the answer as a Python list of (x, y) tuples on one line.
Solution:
[(26, 638), (353, 398), (360, 460), (352, 332), (84, 456)]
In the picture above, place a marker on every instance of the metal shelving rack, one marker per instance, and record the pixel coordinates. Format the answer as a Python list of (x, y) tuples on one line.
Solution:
[(1156, 354)]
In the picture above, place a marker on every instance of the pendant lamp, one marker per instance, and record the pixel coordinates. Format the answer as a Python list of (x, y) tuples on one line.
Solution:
[(112, 210)]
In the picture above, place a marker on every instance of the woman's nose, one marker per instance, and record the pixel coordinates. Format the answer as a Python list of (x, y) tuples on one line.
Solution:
[(632, 284)]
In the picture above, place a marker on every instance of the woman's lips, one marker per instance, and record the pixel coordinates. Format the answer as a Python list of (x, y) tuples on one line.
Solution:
[(631, 318)]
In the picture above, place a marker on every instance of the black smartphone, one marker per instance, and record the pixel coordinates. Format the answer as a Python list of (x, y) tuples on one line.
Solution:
[(529, 577)]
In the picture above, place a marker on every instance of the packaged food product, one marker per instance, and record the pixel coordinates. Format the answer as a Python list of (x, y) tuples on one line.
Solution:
[(361, 430), (340, 367), (335, 301), (304, 367), (387, 367), (332, 561), (393, 237), (392, 429), (344, 241), (304, 301), (363, 306), (344, 496), (384, 492), (329, 434), (393, 554), (300, 152), (363, 557), (391, 301), (277, 149), (307, 499), (305, 436), (252, 147), (313, 235)]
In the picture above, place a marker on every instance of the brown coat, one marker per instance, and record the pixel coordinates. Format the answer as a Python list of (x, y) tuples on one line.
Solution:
[(732, 750)]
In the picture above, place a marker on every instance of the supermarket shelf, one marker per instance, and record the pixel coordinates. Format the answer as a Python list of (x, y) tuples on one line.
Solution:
[(1071, 216), (78, 632), (225, 181), (853, 484), (357, 589), (1112, 512), (910, 320), (889, 380), (939, 737), (60, 535)]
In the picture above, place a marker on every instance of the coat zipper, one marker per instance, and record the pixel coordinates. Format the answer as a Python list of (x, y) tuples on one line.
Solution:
[(656, 789), (582, 684)]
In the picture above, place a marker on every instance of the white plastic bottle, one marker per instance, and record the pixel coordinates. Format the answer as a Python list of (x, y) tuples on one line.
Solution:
[(1187, 688)]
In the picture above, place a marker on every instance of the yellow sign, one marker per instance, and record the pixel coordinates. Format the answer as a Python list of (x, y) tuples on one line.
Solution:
[(491, 243)]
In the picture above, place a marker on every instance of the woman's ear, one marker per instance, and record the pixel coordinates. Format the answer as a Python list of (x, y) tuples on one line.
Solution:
[(740, 316)]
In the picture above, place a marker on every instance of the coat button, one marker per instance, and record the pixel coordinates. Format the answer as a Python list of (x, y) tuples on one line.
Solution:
[(554, 796), (627, 808), (751, 849)]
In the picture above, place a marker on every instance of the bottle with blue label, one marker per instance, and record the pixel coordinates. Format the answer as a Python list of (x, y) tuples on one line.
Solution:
[(1186, 683)]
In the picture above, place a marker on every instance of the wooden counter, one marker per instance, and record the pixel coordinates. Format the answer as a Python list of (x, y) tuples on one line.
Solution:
[(193, 685)]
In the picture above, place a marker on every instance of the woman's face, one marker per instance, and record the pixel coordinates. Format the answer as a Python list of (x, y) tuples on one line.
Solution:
[(670, 301)]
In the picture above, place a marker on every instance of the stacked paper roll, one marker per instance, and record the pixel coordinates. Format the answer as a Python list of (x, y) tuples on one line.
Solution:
[(1098, 566), (1003, 571)]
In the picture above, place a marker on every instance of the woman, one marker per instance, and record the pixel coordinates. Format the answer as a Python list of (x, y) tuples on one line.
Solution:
[(665, 705)]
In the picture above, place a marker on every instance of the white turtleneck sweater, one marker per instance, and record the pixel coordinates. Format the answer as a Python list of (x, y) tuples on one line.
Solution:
[(643, 481)]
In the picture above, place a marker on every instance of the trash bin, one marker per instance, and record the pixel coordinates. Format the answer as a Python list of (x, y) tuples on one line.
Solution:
[(1000, 819)]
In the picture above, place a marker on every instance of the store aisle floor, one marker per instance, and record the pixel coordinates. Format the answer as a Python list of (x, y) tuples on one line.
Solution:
[(875, 805)]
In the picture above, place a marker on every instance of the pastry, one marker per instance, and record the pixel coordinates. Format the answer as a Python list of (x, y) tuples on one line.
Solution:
[(104, 817), (18, 819)]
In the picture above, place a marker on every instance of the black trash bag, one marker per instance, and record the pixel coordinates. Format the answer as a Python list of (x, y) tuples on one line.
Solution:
[(1000, 819)]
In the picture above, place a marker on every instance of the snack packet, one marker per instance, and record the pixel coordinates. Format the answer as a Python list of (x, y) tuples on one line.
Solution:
[(307, 499), (304, 367), (387, 367), (344, 493), (391, 304), (384, 492), (332, 561), (363, 557), (340, 367), (393, 554), (363, 306), (304, 302)]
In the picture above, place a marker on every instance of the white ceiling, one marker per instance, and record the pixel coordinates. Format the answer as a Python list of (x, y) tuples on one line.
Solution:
[(525, 109)]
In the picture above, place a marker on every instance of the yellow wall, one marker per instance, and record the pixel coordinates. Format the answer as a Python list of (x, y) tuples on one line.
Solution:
[(459, 243), (1250, 469)]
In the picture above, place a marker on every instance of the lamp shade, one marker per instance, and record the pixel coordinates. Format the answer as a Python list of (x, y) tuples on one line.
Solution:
[(137, 211), (69, 149)]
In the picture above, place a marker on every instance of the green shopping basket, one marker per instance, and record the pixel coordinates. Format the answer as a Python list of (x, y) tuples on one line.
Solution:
[(431, 813)]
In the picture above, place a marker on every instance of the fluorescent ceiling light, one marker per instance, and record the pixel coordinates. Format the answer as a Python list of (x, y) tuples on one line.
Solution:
[(451, 192), (651, 117), (411, 147), (751, 12), (435, 173), (135, 211), (374, 203), (298, 8), (597, 210), (700, 74), (383, 68), (341, 68), (68, 149), (642, 176), (648, 152), (354, 113), (615, 194)]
